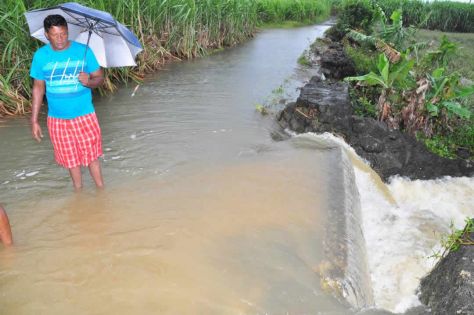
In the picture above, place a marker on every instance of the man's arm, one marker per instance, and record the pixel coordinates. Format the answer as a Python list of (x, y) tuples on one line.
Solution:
[(92, 80), (5, 229), (37, 101)]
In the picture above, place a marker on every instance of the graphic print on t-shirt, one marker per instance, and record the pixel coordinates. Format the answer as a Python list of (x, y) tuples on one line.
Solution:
[(61, 77)]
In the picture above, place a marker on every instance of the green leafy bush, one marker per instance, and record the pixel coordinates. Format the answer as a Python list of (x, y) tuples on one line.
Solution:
[(417, 92), (364, 100), (446, 94), (304, 61), (364, 59), (450, 143), (354, 14), (458, 237)]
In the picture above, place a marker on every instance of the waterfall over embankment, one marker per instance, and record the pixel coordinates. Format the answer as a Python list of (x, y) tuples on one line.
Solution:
[(345, 270)]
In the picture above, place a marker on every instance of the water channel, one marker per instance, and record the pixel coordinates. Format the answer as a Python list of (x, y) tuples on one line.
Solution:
[(210, 208)]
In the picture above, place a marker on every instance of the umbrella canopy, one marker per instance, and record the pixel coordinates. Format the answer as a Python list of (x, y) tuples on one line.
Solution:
[(113, 44)]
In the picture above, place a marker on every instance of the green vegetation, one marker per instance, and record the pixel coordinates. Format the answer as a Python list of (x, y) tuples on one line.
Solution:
[(462, 60), (274, 102), (278, 91), (390, 78), (449, 144), (303, 60), (421, 86), (299, 11), (460, 137), (447, 16), (457, 238), (352, 14), (168, 30), (363, 104), (444, 16), (261, 109), (364, 59)]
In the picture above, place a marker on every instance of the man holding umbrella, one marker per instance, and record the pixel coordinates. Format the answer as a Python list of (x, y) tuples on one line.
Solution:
[(67, 71)]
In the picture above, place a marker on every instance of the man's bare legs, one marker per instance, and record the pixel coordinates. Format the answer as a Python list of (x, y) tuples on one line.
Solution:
[(94, 170), (76, 176), (96, 173)]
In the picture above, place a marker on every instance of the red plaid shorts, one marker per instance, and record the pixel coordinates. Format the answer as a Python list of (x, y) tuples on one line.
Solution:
[(75, 141)]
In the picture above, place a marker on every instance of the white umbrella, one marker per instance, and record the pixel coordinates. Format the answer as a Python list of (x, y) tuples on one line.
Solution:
[(113, 44)]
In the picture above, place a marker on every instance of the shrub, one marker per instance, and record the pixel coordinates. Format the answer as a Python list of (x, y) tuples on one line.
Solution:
[(364, 59), (452, 143), (354, 14), (364, 100)]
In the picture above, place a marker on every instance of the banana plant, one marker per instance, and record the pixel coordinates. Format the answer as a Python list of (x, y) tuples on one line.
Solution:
[(392, 54), (446, 94), (389, 38), (443, 53), (395, 33), (390, 77)]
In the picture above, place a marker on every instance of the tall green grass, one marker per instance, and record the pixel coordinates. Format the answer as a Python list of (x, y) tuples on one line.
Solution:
[(15, 48), (451, 17), (277, 11), (446, 16)]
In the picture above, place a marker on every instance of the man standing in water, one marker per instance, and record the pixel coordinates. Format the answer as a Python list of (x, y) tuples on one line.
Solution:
[(67, 74)]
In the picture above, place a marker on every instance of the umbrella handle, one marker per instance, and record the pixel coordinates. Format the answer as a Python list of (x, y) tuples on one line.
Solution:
[(87, 46)]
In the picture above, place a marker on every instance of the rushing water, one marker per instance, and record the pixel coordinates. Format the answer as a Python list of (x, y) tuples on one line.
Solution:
[(206, 213)]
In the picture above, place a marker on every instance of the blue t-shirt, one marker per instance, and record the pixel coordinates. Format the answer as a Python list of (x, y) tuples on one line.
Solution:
[(67, 97)]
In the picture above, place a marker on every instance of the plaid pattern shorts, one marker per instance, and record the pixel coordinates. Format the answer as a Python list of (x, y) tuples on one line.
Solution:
[(75, 141)]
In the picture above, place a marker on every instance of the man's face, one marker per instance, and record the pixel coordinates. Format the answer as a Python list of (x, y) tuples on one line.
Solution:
[(58, 37)]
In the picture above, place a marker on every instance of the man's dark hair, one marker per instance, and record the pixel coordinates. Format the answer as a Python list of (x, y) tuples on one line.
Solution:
[(54, 20)]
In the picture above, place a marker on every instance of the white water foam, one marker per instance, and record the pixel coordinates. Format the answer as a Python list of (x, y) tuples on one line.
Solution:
[(403, 223), (401, 237)]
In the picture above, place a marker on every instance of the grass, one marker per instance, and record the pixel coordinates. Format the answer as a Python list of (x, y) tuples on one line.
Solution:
[(303, 60), (448, 144), (279, 11)]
